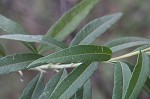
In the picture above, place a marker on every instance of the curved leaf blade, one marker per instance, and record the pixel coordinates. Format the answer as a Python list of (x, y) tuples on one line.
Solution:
[(85, 92), (49, 42), (126, 42), (147, 86), (142, 47), (139, 77), (34, 88), (122, 75), (76, 54), (2, 51), (69, 21), (94, 29), (13, 63), (74, 81), (53, 83), (147, 83), (11, 27)]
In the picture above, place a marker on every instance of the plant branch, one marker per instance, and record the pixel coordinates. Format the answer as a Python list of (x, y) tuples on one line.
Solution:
[(56, 66), (128, 55)]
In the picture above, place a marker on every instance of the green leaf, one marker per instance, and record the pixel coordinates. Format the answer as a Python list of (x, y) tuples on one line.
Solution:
[(147, 86), (85, 92), (71, 19), (126, 42), (76, 54), (94, 29), (122, 75), (142, 47), (2, 51), (139, 77), (34, 88), (13, 63), (49, 42), (11, 27), (53, 83), (75, 80), (79, 93)]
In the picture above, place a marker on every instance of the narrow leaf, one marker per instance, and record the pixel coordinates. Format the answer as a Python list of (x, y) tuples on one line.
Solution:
[(122, 75), (79, 94), (85, 92), (139, 77), (74, 81), (126, 42), (16, 62), (2, 51), (94, 29), (53, 83), (34, 88), (147, 83), (76, 54), (11, 27), (142, 47), (71, 19), (147, 86), (49, 42)]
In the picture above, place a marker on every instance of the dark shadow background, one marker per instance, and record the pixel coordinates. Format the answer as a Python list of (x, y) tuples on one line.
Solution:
[(36, 16)]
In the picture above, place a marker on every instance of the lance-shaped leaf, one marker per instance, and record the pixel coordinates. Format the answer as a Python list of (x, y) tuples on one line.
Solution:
[(126, 42), (53, 83), (79, 94), (138, 77), (34, 88), (147, 86), (2, 51), (69, 21), (74, 81), (122, 75), (49, 42), (85, 92), (94, 29), (76, 54), (16, 62), (11, 27), (147, 83), (142, 47)]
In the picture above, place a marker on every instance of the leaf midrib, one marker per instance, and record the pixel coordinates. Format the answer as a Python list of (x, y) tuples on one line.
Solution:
[(79, 55)]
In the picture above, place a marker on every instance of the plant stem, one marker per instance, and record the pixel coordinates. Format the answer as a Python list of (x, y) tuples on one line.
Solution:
[(128, 55), (56, 66)]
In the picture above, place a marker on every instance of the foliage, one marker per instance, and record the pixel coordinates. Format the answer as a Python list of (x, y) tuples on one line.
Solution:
[(129, 80)]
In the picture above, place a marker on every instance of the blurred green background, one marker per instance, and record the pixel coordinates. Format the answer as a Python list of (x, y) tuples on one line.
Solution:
[(36, 16)]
